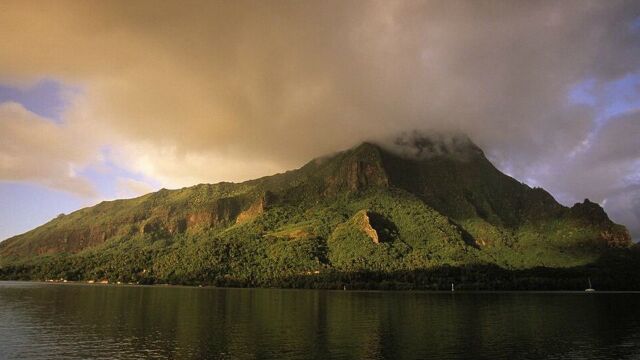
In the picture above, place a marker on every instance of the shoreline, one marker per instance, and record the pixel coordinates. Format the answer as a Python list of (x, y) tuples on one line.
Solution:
[(210, 287)]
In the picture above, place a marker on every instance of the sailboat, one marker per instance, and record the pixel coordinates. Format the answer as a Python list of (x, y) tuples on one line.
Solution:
[(590, 289)]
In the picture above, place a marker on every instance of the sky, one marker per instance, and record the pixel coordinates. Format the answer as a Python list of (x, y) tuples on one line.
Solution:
[(113, 99)]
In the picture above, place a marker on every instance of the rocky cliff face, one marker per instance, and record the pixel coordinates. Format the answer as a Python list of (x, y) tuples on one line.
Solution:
[(359, 170), (363, 223)]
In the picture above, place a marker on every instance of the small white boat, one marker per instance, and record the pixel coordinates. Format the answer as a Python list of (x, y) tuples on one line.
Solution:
[(452, 288), (590, 288)]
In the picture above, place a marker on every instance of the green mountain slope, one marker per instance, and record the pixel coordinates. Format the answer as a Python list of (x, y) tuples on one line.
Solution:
[(368, 214)]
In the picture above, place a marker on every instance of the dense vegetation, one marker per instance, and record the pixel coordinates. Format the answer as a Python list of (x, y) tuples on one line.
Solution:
[(364, 218)]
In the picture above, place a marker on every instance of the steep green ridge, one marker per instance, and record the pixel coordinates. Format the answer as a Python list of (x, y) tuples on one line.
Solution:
[(365, 216)]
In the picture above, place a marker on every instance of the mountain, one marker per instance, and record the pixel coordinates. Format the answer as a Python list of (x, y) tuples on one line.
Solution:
[(418, 212)]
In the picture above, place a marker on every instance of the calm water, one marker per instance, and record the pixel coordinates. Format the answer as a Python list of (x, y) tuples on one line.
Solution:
[(48, 321)]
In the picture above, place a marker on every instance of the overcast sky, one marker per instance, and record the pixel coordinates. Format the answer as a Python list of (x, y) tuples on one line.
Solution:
[(100, 100)]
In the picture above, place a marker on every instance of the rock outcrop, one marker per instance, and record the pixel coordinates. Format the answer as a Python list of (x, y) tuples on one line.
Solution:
[(363, 223)]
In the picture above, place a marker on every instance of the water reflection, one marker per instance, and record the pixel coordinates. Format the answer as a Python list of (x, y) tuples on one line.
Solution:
[(42, 321)]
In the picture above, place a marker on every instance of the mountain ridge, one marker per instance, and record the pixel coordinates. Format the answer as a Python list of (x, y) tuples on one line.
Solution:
[(416, 204)]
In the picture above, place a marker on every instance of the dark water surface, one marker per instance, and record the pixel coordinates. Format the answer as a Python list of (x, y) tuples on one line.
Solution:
[(49, 321)]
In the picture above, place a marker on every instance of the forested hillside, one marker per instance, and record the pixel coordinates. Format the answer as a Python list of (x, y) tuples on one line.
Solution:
[(413, 215)]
